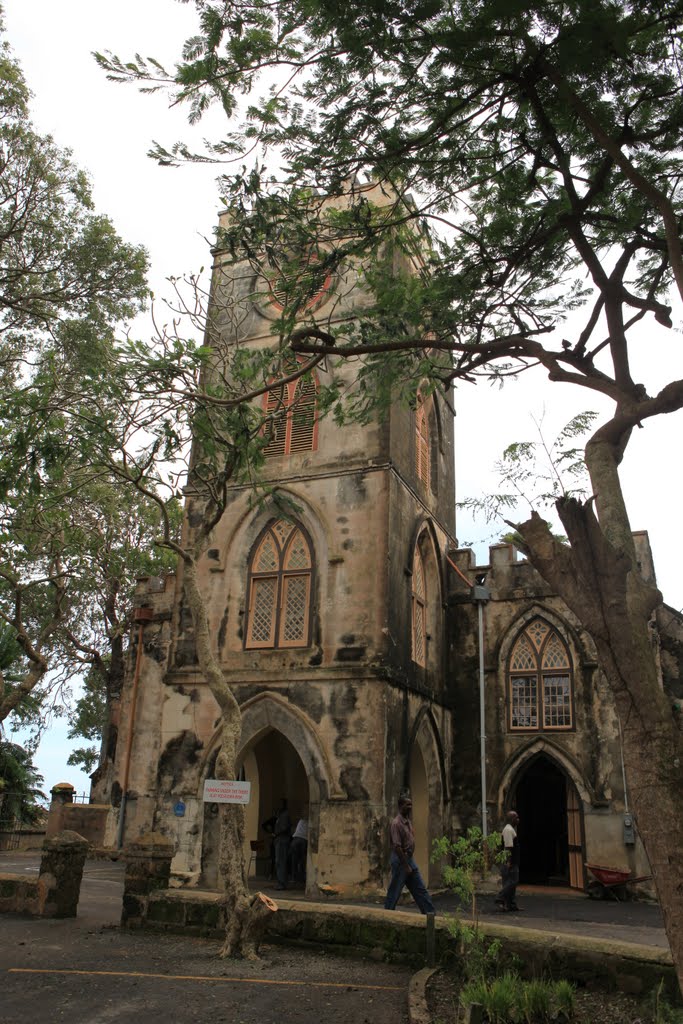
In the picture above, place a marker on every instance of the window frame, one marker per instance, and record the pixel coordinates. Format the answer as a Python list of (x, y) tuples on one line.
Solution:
[(423, 442), (282, 576), (418, 607), (283, 407), (538, 676)]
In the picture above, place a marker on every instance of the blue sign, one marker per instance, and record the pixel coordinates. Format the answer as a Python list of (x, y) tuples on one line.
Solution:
[(179, 809)]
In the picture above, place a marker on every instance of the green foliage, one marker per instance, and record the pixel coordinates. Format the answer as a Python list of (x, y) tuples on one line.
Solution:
[(564, 993), (663, 1012), (509, 999), (85, 758), (517, 150), (69, 542), (21, 799), (66, 277), (537, 473), (468, 857), (88, 717)]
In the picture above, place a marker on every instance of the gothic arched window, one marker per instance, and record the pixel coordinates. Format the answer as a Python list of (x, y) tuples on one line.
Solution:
[(422, 442), (292, 422), (540, 680), (419, 610), (279, 588)]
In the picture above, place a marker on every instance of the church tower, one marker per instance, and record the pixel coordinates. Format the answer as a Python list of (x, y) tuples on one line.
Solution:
[(330, 622)]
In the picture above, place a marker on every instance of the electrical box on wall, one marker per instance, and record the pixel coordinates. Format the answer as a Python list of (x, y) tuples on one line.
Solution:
[(629, 830)]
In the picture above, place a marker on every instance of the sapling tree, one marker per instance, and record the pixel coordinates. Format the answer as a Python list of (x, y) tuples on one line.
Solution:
[(465, 860)]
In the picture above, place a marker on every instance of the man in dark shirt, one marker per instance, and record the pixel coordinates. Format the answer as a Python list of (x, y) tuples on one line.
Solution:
[(404, 870), (282, 831)]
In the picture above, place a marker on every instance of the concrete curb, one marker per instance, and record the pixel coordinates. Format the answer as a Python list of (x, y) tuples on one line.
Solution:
[(418, 1012)]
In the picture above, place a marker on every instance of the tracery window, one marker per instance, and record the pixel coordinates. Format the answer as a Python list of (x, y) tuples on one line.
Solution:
[(419, 610), (422, 442), (279, 588), (292, 424), (540, 680)]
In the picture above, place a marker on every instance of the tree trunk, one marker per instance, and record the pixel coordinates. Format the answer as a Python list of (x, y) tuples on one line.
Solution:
[(246, 915), (16, 693), (598, 578)]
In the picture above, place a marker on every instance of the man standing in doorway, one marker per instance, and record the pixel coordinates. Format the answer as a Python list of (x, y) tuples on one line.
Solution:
[(404, 870), (282, 831), (509, 869)]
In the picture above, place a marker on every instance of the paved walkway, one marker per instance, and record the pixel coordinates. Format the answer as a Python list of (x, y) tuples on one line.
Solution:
[(560, 911)]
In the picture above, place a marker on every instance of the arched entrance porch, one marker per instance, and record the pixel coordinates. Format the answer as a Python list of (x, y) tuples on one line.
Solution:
[(550, 829), (281, 755), (276, 772)]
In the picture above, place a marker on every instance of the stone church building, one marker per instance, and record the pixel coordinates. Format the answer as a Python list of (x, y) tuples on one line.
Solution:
[(351, 638)]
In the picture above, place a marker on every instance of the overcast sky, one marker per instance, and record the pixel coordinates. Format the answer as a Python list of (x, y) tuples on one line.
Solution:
[(172, 213)]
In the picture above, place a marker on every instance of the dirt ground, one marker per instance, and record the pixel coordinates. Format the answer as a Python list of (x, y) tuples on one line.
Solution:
[(54, 972)]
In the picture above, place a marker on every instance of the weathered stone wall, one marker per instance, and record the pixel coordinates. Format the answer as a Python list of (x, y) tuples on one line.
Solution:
[(353, 703), (670, 630), (88, 820), (589, 753), (140, 738)]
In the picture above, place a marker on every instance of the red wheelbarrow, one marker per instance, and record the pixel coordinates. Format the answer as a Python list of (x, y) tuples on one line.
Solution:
[(611, 882)]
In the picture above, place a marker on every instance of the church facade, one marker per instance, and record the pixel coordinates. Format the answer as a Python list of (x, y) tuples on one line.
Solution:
[(350, 636)]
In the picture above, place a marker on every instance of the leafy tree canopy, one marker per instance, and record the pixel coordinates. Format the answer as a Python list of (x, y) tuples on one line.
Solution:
[(539, 141), (71, 543), (66, 278)]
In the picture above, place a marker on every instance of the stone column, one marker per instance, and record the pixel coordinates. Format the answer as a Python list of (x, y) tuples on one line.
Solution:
[(61, 871), (148, 869), (62, 794)]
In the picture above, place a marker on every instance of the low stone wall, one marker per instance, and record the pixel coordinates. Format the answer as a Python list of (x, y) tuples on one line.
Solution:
[(56, 889), (383, 934), (19, 842), (88, 820), (18, 894), (393, 935)]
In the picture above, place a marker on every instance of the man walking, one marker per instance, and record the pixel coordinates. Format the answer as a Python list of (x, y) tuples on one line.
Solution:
[(404, 870), (509, 869)]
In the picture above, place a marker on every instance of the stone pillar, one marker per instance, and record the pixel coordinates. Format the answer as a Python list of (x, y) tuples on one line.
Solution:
[(62, 794), (148, 869), (61, 871)]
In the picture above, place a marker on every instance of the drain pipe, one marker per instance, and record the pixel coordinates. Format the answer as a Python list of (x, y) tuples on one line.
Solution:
[(142, 616), (481, 595)]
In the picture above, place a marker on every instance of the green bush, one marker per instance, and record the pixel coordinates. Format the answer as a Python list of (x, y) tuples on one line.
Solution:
[(510, 1000)]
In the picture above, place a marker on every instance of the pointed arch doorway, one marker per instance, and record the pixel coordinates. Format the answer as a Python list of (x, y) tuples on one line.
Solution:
[(551, 825), (419, 792), (275, 770)]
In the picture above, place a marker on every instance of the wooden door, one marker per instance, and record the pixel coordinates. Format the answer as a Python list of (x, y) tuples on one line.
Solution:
[(574, 837)]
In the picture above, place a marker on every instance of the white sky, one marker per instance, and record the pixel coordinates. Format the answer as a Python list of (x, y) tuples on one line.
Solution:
[(172, 211)]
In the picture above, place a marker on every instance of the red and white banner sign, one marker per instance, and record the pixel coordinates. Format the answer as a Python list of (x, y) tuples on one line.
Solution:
[(226, 791)]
